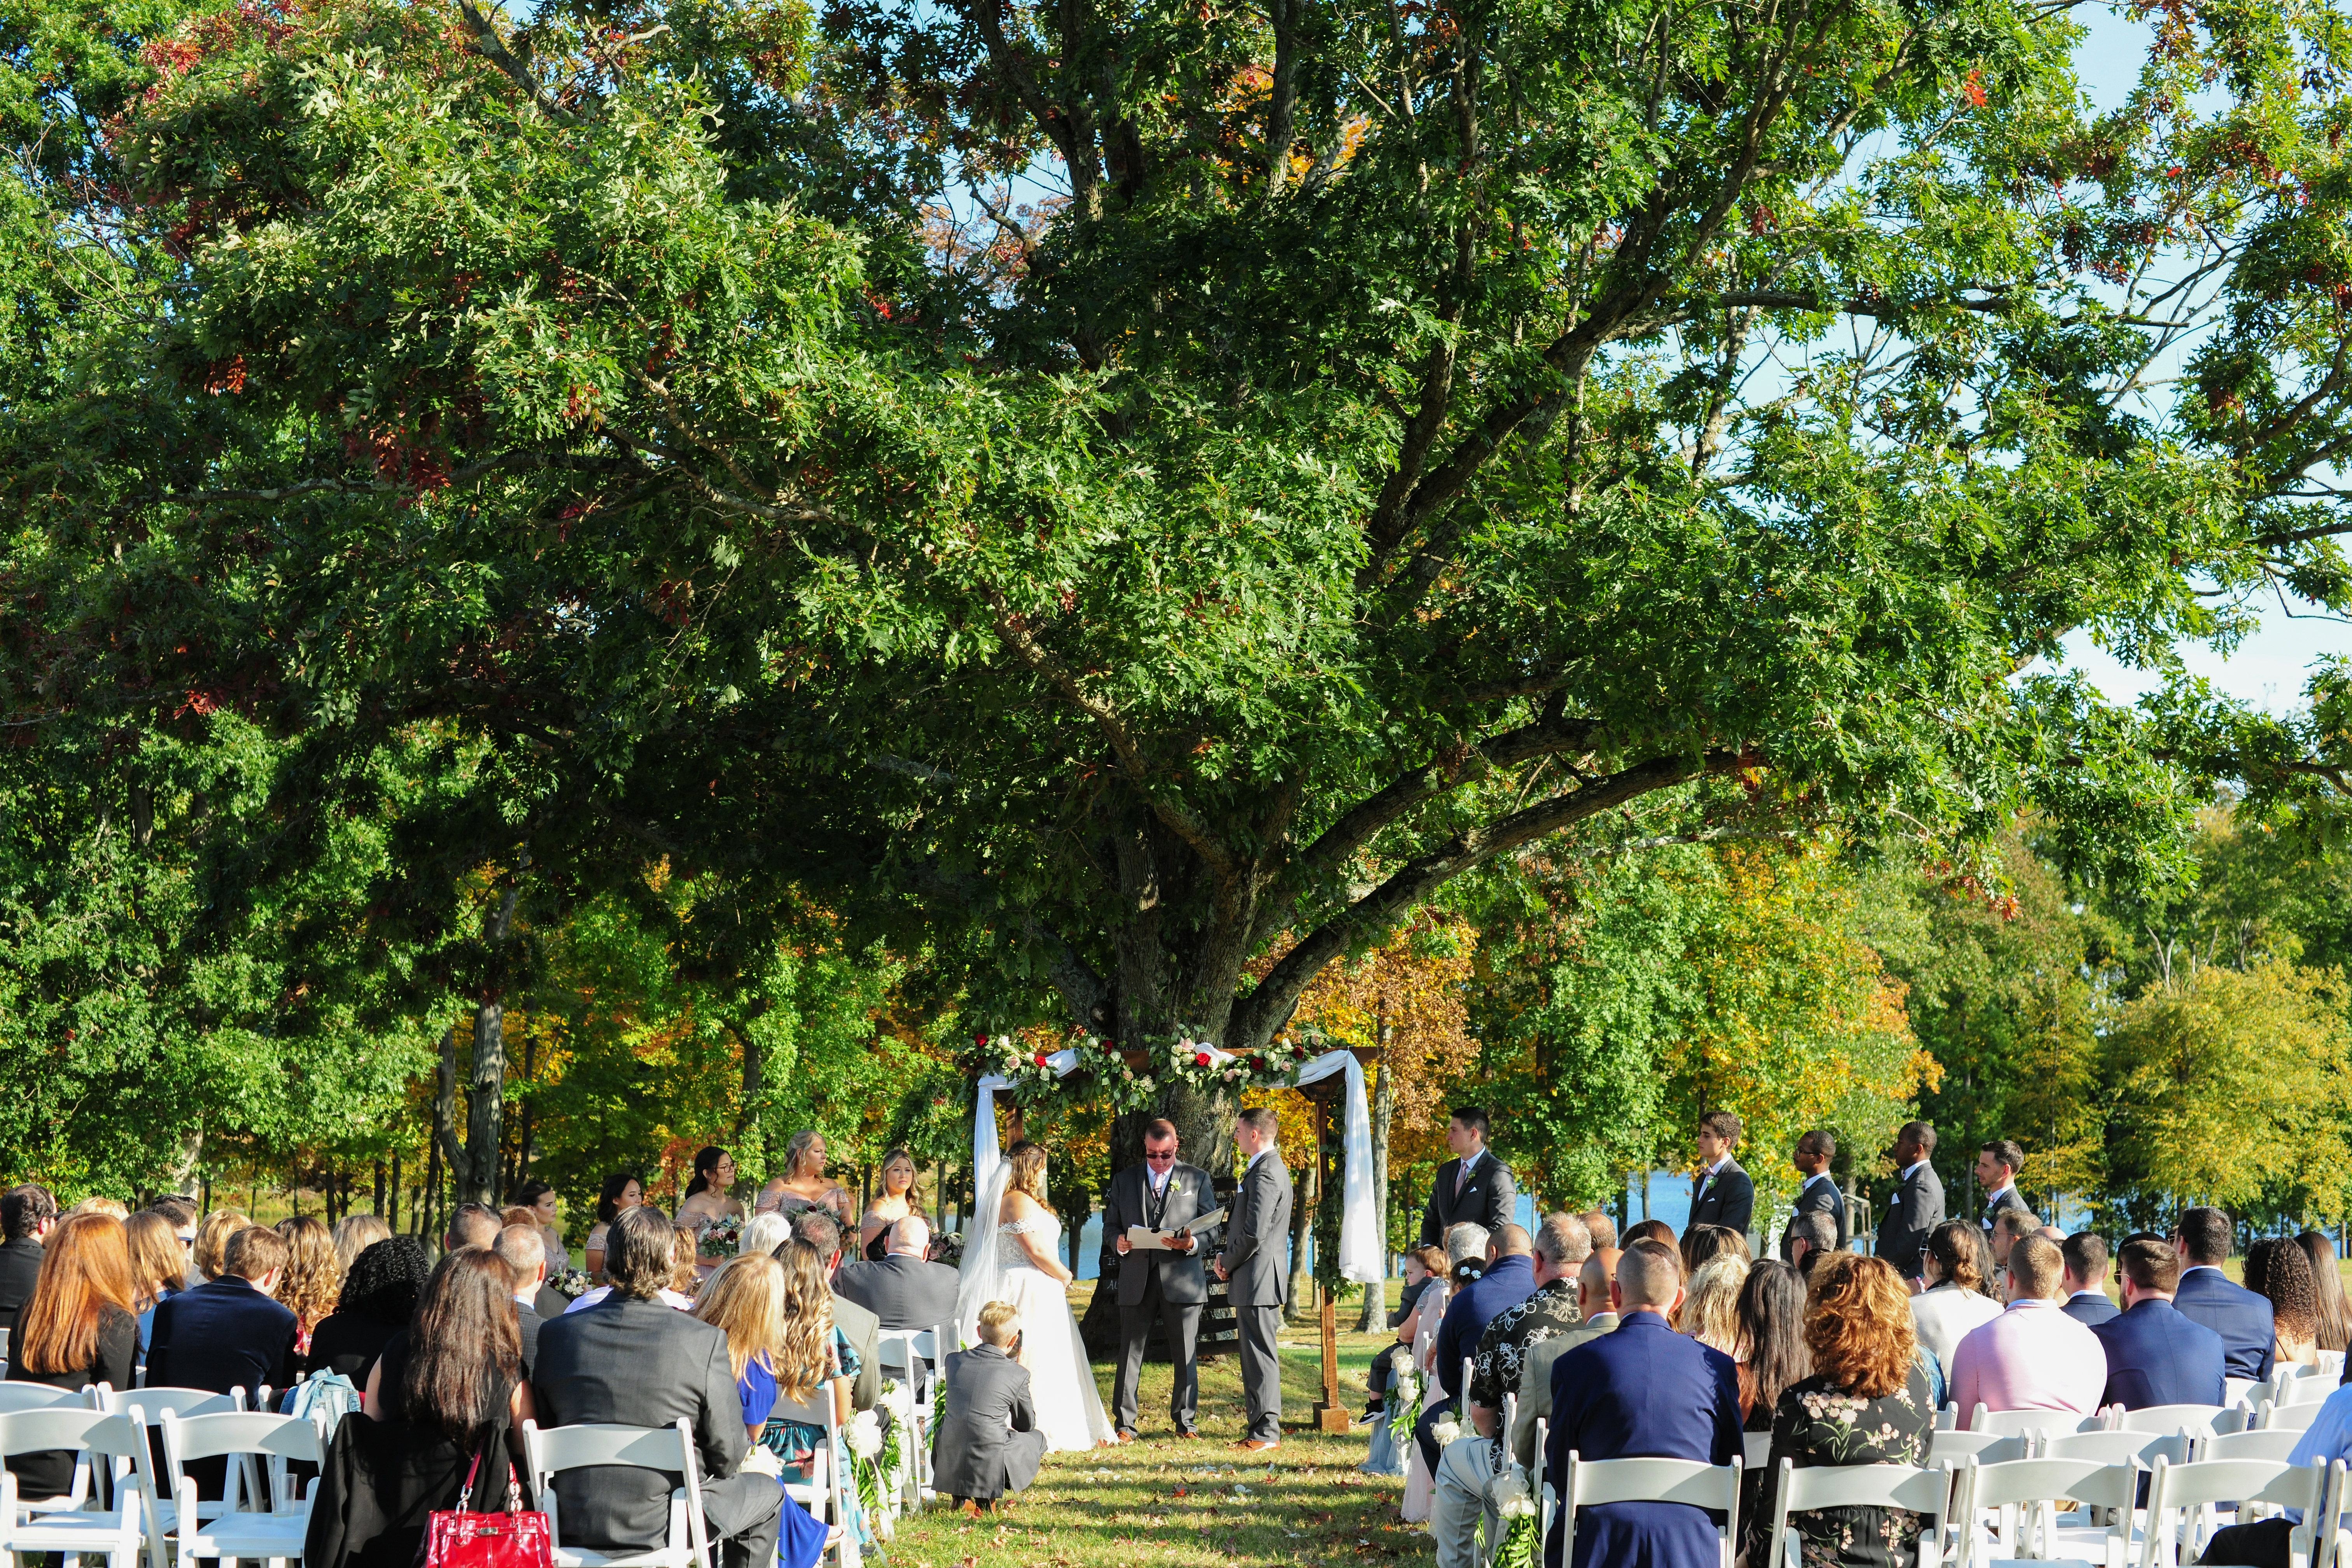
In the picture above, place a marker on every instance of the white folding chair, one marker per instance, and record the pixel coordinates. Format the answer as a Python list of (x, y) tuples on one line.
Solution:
[(2305, 1389), (1863, 1486), (829, 1475), (1947, 1418), (145, 1408), (2290, 1417), (2030, 1490), (2331, 1545), (2186, 1490), (2234, 1389), (549, 1451), (2031, 1423), (119, 1532), (268, 1525), (1592, 1482), (2114, 1447), (16, 1397), (2197, 1420), (1984, 1448), (2276, 1444), (915, 1356)]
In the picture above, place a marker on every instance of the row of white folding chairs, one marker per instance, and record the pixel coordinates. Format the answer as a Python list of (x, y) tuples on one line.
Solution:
[(106, 1431), (906, 1352), (1954, 1494)]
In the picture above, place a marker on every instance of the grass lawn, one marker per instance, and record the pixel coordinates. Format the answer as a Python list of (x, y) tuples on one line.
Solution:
[(1159, 1501)]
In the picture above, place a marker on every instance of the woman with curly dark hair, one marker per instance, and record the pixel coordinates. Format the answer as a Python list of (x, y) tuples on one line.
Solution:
[(1866, 1403), (2279, 1271), (378, 1298)]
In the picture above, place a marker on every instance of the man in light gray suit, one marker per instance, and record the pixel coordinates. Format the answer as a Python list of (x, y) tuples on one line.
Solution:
[(631, 1360), (1161, 1194), (1253, 1262)]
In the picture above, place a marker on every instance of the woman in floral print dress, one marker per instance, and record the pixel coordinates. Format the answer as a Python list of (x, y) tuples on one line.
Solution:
[(1867, 1403)]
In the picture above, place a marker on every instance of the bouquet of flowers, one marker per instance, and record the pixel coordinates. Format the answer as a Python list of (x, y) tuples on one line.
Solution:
[(569, 1283), (1404, 1407), (722, 1238), (947, 1246), (1513, 1493)]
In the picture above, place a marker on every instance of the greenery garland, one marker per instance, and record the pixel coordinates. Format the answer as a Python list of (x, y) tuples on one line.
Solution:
[(1104, 1075)]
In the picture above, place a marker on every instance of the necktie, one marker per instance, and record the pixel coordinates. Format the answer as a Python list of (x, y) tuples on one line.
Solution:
[(1462, 1179)]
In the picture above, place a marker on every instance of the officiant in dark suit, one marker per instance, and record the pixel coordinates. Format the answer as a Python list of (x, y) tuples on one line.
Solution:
[(1161, 1194), (1722, 1193), (1256, 1261), (1819, 1194), (1473, 1187)]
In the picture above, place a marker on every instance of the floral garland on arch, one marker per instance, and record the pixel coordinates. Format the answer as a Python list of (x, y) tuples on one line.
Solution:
[(1102, 1071)]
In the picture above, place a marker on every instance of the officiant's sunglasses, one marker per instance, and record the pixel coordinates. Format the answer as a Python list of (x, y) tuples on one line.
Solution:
[(1163, 1155)]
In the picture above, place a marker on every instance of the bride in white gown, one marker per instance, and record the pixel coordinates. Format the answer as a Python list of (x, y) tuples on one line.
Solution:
[(1012, 1253)]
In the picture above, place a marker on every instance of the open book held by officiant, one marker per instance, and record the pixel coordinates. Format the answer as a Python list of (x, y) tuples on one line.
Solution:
[(1143, 1238)]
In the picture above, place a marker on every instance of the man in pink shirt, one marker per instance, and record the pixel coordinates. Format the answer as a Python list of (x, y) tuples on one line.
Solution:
[(2033, 1356)]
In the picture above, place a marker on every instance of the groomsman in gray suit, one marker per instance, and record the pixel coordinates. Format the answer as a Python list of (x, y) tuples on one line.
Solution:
[(1161, 1194), (1253, 1260)]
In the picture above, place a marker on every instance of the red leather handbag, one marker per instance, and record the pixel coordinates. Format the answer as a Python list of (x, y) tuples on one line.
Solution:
[(461, 1538)]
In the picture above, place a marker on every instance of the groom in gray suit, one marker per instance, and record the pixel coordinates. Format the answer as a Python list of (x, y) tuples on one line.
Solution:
[(1253, 1262), (1161, 1194)]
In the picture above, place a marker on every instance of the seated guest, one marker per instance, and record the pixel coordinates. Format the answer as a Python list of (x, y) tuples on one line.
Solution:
[(27, 1214), (1656, 1230), (2328, 1285), (158, 1268), (745, 1301), (443, 1393), (1866, 1403), (1458, 1497), (76, 1329), (667, 1295), (905, 1289), (2242, 1318), (2277, 1271), (1509, 1279), (2085, 1283), (1595, 1317), (1702, 1244), (988, 1444), (313, 1277), (819, 1227), (1643, 1391), (764, 1232), (1422, 1265), (1772, 1354), (632, 1361), (1601, 1229), (378, 1298), (355, 1232), (1957, 1298), (2263, 1543), (2033, 1356), (1811, 1234), (812, 1363), (474, 1225), (2008, 1225), (211, 1245), (2157, 1354), (522, 1248), (227, 1334), (1710, 1312)]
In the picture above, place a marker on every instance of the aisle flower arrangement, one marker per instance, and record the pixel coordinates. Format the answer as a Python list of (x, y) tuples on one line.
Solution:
[(1513, 1493)]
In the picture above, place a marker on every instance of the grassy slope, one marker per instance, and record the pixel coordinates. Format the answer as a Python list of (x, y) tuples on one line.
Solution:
[(1161, 1501)]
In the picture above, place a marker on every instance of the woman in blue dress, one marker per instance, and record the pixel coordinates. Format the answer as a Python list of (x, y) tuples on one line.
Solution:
[(746, 1300)]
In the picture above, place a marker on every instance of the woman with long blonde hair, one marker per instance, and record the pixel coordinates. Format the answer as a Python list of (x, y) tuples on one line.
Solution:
[(1710, 1312), (746, 1300), (355, 1232), (76, 1328), (901, 1195), (313, 1277)]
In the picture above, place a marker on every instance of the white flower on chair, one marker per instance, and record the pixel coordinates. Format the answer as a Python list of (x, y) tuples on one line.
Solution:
[(864, 1435)]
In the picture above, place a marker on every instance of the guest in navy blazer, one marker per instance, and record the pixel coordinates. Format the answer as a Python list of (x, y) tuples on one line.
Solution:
[(1643, 1392), (2156, 1354), (227, 1334), (2085, 1283), (2241, 1317)]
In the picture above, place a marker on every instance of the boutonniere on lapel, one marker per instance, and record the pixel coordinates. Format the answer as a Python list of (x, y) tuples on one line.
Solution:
[(1176, 1188)]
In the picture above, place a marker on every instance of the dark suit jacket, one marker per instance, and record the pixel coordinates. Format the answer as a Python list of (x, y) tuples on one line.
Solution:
[(20, 1266), (2092, 1308), (1506, 1282), (2241, 1317), (1257, 1263), (901, 1292), (988, 1444), (1818, 1197), (1643, 1392), (549, 1302), (528, 1323), (2006, 1198), (1487, 1200), (1729, 1199), (221, 1335), (1920, 1208), (1183, 1276), (2156, 1356), (636, 1364)]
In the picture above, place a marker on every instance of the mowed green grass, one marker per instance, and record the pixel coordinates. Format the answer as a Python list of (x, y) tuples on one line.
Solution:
[(1163, 1501)]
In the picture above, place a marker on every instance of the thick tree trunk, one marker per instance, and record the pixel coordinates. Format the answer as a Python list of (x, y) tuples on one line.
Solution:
[(486, 1099), (185, 1159), (1376, 1296)]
